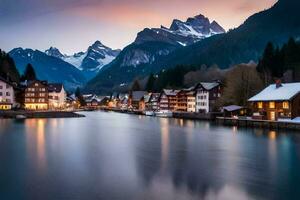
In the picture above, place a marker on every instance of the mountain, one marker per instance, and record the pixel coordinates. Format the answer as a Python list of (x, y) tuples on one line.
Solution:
[(241, 45), (89, 62), (150, 46), (48, 68)]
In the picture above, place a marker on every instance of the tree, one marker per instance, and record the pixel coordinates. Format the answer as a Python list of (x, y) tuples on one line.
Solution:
[(136, 86), (241, 83), (29, 73), (8, 68), (80, 97), (150, 83)]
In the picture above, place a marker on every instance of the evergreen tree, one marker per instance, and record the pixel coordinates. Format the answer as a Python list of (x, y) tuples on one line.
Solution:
[(80, 97), (8, 69), (150, 83), (29, 73), (136, 86)]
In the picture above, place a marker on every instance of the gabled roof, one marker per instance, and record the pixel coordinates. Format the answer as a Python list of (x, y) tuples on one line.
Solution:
[(154, 97), (138, 95), (209, 85), (286, 92), (147, 97), (232, 108), (171, 92), (55, 87)]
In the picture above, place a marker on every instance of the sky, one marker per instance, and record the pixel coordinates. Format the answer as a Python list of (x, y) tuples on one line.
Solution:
[(73, 25)]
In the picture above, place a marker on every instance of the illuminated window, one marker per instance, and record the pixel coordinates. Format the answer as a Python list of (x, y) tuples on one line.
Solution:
[(260, 105), (272, 104), (285, 105)]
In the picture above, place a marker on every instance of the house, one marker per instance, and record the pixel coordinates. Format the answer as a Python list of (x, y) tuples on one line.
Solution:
[(36, 96), (154, 102), (136, 100), (168, 99), (233, 111), (7, 95), (72, 102), (191, 101), (277, 101), (91, 101), (114, 100), (57, 96), (181, 101), (207, 93), (147, 98), (122, 101)]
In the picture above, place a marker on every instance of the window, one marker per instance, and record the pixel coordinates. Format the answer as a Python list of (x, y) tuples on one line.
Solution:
[(7, 94), (272, 104), (7, 86), (285, 105), (1, 94), (36, 84), (260, 105), (1, 87)]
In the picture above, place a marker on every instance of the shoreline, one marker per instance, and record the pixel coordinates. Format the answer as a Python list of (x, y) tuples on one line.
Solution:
[(39, 114)]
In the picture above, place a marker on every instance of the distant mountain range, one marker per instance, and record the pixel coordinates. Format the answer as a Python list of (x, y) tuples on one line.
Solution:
[(74, 71), (89, 62), (157, 49), (150, 46)]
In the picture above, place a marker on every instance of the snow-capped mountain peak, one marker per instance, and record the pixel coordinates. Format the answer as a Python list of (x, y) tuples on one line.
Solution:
[(53, 51)]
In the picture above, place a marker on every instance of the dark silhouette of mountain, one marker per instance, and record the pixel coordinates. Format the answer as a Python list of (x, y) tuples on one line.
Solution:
[(48, 68)]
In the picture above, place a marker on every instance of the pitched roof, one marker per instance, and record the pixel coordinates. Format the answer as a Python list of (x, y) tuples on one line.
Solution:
[(232, 108), (55, 87), (171, 92), (286, 92), (209, 85), (154, 97), (138, 95)]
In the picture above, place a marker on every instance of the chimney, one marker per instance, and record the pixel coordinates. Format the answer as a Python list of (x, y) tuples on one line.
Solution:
[(278, 83)]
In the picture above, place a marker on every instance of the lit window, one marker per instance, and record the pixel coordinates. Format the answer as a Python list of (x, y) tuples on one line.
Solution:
[(272, 104), (285, 105), (260, 105)]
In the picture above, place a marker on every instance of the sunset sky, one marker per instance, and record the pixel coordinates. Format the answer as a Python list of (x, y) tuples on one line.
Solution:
[(73, 25)]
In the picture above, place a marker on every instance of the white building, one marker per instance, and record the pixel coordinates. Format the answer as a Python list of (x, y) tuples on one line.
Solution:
[(57, 96), (7, 95), (206, 96)]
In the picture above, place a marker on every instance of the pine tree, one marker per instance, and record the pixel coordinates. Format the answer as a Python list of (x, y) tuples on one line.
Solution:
[(136, 86), (150, 83), (29, 73), (80, 97)]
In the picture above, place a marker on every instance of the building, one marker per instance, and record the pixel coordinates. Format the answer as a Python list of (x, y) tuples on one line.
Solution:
[(147, 98), (7, 95), (277, 101), (207, 93), (234, 111), (136, 100), (181, 105), (57, 96), (168, 99), (191, 101), (154, 101), (91, 100), (36, 96)]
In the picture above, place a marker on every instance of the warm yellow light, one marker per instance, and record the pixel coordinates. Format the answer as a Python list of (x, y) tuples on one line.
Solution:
[(260, 105), (286, 105), (272, 104)]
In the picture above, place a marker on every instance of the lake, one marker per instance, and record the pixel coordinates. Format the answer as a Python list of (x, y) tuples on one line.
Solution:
[(118, 156)]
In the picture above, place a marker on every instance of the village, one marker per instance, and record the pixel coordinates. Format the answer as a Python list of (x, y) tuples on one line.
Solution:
[(278, 102)]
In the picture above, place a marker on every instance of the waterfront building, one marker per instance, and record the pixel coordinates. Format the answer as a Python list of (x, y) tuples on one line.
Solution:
[(168, 99), (277, 102), (72, 102), (36, 96), (233, 111), (191, 101), (207, 93), (136, 100), (154, 102), (114, 100), (7, 95), (57, 96), (181, 105), (92, 101)]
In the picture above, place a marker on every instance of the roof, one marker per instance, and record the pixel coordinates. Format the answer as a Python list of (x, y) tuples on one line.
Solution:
[(232, 108), (147, 97), (286, 92), (154, 97), (171, 92), (209, 85), (55, 87), (138, 95), (6, 81)]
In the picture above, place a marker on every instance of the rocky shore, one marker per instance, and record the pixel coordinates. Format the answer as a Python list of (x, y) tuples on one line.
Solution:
[(39, 114)]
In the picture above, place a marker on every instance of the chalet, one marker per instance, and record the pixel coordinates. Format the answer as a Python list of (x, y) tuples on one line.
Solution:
[(91, 101), (207, 93), (114, 100), (233, 111), (153, 102), (136, 100), (36, 96), (181, 101), (277, 101), (122, 101), (147, 98), (191, 101), (168, 99), (57, 96), (72, 102), (7, 95)]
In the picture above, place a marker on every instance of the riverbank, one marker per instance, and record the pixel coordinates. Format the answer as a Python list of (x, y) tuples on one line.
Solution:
[(265, 124), (39, 114)]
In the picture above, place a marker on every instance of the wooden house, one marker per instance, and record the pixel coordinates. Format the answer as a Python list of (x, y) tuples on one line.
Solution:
[(168, 99)]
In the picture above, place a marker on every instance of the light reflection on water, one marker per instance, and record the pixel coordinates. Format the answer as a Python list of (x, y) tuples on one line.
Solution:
[(119, 156)]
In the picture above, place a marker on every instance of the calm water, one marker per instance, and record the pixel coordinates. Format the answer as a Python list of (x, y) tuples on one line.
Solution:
[(118, 156)]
